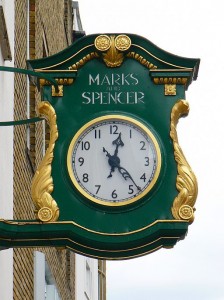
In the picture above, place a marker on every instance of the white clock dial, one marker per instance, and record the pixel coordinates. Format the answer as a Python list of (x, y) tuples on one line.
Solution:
[(114, 160)]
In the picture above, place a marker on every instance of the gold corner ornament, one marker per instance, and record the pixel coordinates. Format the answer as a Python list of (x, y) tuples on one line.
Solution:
[(170, 89), (61, 82), (42, 183), (183, 205), (59, 93), (114, 46)]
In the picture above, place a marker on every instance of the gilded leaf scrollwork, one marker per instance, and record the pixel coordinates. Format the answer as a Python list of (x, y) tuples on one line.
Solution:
[(42, 183), (141, 60), (84, 60), (186, 183)]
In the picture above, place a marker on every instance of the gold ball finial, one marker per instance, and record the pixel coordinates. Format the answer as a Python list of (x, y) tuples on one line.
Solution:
[(102, 42), (122, 42)]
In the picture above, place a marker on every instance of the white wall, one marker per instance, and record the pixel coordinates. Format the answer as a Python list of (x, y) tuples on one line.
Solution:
[(6, 153), (86, 280)]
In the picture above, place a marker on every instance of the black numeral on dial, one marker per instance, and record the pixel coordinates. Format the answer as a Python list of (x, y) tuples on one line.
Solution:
[(81, 161), (85, 177), (114, 194), (113, 129), (97, 134), (98, 186), (146, 161), (85, 145), (131, 190), (142, 145), (143, 177)]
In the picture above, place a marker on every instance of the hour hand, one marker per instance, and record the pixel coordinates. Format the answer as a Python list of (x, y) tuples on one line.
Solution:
[(113, 160), (118, 142)]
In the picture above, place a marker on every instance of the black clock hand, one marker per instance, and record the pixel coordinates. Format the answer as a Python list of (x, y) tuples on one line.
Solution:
[(114, 162), (118, 142), (127, 175)]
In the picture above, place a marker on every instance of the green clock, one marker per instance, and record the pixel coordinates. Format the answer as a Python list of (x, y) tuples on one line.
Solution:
[(114, 160)]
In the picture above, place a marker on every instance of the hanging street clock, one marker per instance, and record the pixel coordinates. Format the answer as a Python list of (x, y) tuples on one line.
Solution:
[(114, 182)]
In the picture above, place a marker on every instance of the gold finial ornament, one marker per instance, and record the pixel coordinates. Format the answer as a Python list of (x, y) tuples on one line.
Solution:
[(113, 46), (102, 42), (122, 42)]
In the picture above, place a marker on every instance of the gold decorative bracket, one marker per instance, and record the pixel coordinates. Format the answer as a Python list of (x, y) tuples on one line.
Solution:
[(42, 183), (183, 205), (67, 77), (170, 79), (113, 48), (59, 93), (61, 82)]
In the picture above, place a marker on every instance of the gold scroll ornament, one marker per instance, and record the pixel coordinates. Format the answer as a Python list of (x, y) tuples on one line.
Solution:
[(183, 205), (42, 184)]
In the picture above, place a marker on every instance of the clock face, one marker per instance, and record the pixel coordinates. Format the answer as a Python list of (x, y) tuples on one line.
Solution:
[(114, 160)]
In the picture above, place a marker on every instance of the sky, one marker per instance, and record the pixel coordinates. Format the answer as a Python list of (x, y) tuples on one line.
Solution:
[(194, 268)]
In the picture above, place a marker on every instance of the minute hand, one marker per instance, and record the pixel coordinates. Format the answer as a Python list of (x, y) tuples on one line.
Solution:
[(125, 174)]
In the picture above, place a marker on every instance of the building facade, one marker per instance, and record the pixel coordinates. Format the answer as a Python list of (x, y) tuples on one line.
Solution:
[(33, 29)]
